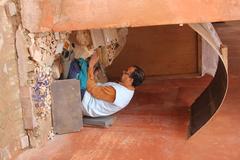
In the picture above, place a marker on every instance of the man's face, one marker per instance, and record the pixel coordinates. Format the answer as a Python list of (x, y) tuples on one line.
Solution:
[(126, 75)]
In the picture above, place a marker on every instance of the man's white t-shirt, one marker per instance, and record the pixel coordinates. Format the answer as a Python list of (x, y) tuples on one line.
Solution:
[(94, 107)]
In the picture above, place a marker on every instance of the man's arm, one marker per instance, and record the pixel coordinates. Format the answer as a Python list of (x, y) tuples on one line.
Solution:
[(106, 93)]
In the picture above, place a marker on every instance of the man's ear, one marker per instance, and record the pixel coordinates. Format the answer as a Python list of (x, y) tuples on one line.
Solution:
[(131, 80)]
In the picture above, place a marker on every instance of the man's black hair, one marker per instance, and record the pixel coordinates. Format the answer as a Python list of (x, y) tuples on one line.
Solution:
[(137, 75)]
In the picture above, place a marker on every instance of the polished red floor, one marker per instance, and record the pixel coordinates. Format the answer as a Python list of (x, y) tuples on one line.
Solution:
[(153, 126)]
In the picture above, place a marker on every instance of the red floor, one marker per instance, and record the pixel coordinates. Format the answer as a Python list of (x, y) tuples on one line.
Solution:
[(154, 126)]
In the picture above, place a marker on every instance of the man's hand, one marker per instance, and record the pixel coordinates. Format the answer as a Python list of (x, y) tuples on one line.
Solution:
[(94, 59)]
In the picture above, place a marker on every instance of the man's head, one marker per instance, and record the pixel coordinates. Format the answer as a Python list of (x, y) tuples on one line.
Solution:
[(133, 76)]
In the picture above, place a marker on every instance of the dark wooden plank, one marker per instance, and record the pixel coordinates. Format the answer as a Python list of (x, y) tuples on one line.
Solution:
[(209, 101), (66, 106)]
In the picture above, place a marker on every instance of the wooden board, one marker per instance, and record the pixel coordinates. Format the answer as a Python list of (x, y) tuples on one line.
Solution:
[(160, 51), (66, 106)]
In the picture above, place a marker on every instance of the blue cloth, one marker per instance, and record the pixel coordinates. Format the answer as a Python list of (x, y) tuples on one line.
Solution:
[(74, 69), (82, 75), (78, 70)]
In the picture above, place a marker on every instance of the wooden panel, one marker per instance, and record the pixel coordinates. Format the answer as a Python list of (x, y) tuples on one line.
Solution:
[(159, 50), (66, 108)]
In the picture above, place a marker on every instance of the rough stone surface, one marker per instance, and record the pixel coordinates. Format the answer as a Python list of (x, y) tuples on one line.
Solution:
[(27, 107), (39, 135), (24, 142), (5, 154), (23, 55), (11, 123), (11, 8), (61, 15)]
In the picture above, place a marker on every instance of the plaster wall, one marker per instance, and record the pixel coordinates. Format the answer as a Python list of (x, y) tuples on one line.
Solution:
[(11, 123)]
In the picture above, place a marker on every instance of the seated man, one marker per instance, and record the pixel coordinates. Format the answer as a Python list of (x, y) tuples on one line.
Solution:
[(109, 98)]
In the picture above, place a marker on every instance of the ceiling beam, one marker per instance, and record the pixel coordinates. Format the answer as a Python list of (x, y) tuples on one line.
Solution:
[(62, 15)]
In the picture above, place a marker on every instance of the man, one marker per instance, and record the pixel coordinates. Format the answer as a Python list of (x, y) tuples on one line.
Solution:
[(109, 98)]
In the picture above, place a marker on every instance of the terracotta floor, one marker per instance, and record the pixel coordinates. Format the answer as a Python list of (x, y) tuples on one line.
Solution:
[(154, 126)]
